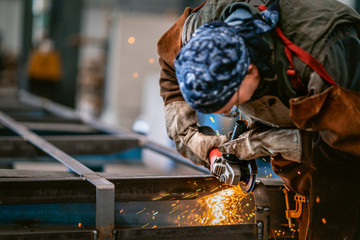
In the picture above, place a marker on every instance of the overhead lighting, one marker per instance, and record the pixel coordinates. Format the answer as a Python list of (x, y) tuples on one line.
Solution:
[(131, 40)]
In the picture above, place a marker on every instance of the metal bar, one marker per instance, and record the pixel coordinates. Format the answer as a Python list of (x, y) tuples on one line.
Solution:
[(12, 174), (166, 187), (34, 117), (46, 190), (35, 187), (243, 232), (105, 206), (72, 145), (50, 106), (46, 235), (80, 128), (11, 104), (105, 190)]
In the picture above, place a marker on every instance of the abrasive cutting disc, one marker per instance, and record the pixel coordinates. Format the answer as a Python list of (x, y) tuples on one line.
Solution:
[(248, 184)]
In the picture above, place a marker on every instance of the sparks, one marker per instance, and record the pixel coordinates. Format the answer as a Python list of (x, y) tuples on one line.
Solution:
[(191, 195), (222, 207), (145, 225), (173, 211), (141, 211)]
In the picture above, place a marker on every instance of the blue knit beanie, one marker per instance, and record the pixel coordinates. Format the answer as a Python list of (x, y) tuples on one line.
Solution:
[(211, 66)]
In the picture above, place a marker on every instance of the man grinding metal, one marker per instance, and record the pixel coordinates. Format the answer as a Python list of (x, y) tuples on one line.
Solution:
[(293, 67)]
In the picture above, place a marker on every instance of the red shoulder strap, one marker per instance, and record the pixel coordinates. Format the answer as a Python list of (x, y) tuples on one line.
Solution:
[(304, 56), (198, 8)]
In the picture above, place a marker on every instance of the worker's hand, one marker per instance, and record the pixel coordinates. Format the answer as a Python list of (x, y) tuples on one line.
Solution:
[(264, 141), (190, 140)]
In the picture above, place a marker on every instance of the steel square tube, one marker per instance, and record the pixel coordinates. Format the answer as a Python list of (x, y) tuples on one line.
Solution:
[(14, 146), (67, 188), (243, 232), (46, 235)]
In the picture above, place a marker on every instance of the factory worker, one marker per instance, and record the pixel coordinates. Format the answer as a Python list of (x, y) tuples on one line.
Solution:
[(305, 103)]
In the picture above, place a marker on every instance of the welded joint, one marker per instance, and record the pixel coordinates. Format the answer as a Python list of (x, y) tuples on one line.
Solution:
[(90, 176)]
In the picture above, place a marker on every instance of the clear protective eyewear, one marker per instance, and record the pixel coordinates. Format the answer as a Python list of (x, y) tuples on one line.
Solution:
[(235, 111)]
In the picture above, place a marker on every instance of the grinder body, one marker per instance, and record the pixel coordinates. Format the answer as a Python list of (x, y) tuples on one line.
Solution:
[(231, 169)]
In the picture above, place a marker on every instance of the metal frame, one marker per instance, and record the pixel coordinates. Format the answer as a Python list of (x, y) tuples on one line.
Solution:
[(106, 194), (105, 190), (21, 188)]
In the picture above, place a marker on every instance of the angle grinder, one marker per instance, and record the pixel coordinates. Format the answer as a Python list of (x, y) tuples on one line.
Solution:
[(231, 169)]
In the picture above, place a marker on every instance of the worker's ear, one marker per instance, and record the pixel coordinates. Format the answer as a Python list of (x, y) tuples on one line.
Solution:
[(253, 71), (250, 83)]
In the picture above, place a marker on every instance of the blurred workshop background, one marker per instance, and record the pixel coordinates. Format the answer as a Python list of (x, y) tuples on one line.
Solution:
[(95, 56)]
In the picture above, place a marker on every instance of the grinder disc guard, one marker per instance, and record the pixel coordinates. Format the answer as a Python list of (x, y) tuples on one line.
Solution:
[(248, 178)]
